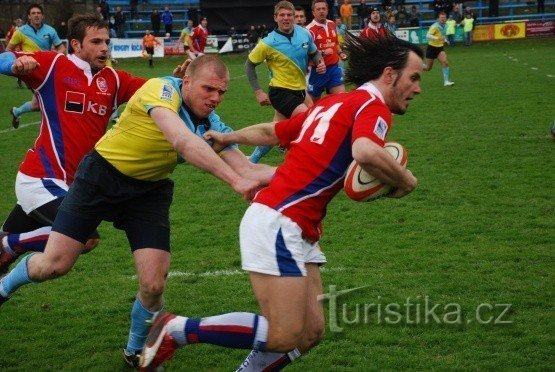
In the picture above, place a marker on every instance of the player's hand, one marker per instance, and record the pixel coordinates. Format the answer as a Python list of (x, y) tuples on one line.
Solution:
[(321, 68), (262, 98), (410, 184), (179, 71), (246, 187), (216, 140), (24, 65)]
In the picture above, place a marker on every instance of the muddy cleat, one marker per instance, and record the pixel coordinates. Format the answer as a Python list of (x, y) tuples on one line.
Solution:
[(160, 346), (6, 259), (15, 119), (131, 360)]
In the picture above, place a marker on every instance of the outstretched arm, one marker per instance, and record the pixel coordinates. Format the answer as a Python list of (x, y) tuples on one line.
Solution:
[(259, 134), (198, 153), (10, 65)]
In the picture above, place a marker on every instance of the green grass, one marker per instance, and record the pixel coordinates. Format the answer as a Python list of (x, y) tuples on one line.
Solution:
[(479, 229)]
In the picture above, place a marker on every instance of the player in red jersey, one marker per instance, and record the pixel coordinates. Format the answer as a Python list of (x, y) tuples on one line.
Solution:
[(77, 94), (279, 232), (324, 34), (375, 28), (199, 37)]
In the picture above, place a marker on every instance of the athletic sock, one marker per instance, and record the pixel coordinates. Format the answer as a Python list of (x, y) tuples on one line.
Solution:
[(267, 361), (235, 330), (139, 327), (26, 107), (445, 74), (19, 276), (32, 241), (258, 153)]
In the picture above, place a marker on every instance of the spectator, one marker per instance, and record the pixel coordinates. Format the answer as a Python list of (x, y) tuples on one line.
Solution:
[(346, 12), (167, 18), (119, 22), (265, 31), (375, 29), (402, 16), (62, 30), (104, 9), (386, 5), (541, 6), (450, 30), (112, 27), (457, 15), (362, 13), (231, 32), (468, 26), (334, 6), (98, 12), (438, 7), (468, 9), (155, 20), (390, 24), (414, 16), (252, 35)]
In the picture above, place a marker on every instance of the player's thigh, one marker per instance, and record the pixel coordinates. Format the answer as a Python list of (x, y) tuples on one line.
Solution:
[(282, 301)]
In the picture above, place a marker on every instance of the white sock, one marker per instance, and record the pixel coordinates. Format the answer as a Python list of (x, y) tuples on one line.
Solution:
[(176, 329), (257, 361)]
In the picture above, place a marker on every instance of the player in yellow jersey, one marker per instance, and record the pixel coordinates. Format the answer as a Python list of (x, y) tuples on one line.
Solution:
[(32, 37), (436, 40), (185, 38)]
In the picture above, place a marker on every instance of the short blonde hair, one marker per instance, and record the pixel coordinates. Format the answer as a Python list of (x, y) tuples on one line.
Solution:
[(284, 5)]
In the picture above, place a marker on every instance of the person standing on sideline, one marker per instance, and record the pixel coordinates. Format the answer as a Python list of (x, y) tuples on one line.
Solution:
[(32, 37), (414, 16), (149, 43), (375, 28), (167, 19), (362, 14), (468, 26), (199, 37), (155, 21), (324, 34), (450, 30), (434, 50), (287, 51), (125, 180), (280, 230), (346, 11), (119, 22)]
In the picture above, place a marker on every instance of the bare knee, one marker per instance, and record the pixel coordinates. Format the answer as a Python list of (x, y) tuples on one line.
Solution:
[(47, 268), (151, 291), (312, 336)]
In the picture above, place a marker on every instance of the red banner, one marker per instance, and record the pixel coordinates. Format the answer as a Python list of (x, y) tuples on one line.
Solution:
[(540, 28)]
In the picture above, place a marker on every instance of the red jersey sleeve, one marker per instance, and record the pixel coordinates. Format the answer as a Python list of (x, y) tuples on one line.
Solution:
[(129, 84), (45, 60), (289, 130), (374, 122)]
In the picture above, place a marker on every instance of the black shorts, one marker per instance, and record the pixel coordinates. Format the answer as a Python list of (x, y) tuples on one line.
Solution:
[(432, 52), (285, 101), (100, 192), (149, 50)]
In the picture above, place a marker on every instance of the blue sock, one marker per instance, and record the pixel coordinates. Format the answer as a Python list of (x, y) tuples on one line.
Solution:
[(139, 327), (16, 278), (445, 73), (26, 107), (235, 330), (258, 153)]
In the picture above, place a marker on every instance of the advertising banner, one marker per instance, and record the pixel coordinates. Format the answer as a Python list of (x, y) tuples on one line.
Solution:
[(483, 33), (128, 48), (515, 30), (540, 28), (172, 47), (211, 44)]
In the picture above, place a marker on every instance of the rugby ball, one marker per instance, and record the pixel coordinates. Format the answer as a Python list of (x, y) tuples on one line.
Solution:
[(361, 186)]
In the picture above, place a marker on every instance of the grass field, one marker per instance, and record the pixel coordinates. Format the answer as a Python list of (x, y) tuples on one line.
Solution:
[(476, 239)]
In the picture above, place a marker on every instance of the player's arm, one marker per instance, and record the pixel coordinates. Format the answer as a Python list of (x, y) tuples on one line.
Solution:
[(379, 163), (318, 61), (12, 66), (261, 96), (198, 153), (61, 48), (260, 134), (14, 42), (240, 164)]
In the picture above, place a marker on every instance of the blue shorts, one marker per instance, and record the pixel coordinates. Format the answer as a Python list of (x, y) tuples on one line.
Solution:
[(332, 78), (100, 192)]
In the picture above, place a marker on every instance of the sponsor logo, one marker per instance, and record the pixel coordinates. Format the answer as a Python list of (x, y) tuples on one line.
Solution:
[(75, 102)]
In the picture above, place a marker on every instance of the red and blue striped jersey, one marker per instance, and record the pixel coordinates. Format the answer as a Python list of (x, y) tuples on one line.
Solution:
[(319, 152), (75, 107)]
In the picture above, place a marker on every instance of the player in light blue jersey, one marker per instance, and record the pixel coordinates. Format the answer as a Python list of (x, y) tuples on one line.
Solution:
[(33, 37)]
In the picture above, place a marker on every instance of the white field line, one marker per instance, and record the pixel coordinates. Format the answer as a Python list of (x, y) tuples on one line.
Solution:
[(21, 126), (220, 273)]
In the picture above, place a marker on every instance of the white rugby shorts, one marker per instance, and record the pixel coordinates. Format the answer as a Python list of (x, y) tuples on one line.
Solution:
[(34, 192), (272, 243)]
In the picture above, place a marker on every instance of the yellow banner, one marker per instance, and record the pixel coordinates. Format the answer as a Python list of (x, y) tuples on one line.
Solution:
[(510, 30), (483, 33)]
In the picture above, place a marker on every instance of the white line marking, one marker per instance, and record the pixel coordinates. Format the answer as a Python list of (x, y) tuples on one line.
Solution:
[(21, 126), (533, 68), (219, 273), (550, 75), (238, 77)]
